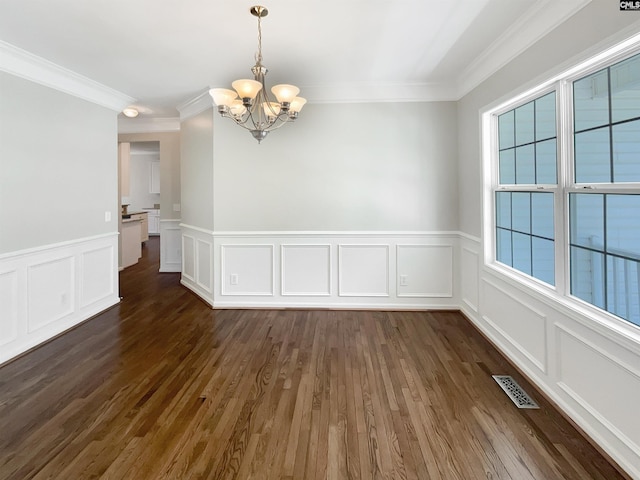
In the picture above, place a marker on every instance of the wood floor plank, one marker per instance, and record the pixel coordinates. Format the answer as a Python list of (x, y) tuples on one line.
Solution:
[(161, 387)]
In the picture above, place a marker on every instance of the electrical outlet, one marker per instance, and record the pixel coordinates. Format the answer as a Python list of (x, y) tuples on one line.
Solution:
[(234, 279), (404, 280), (107, 216), (176, 207)]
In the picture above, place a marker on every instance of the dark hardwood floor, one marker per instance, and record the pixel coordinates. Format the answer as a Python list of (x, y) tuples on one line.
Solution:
[(163, 387)]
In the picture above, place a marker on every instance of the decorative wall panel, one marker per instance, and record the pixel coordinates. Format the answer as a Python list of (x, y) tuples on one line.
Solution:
[(170, 246), (189, 258), (306, 270), (204, 265), (8, 306), (469, 278), (519, 323), (602, 384), (363, 270), (247, 270), (332, 269), (425, 270), (49, 300), (47, 290), (94, 284)]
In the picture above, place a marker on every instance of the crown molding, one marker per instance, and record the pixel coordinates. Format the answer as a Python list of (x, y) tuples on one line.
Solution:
[(198, 104), (148, 124), (537, 22), (26, 65)]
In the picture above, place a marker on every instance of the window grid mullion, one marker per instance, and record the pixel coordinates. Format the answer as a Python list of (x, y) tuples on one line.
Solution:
[(565, 174), (611, 168)]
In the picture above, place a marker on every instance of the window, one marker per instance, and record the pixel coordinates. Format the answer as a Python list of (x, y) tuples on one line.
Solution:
[(565, 191), (524, 216)]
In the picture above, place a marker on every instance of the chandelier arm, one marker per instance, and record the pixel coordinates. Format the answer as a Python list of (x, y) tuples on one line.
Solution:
[(238, 121), (279, 123)]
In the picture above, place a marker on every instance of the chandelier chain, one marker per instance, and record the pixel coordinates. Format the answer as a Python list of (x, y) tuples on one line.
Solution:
[(259, 53)]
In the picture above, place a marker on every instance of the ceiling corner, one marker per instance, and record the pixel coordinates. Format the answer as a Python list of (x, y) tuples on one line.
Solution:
[(538, 21)]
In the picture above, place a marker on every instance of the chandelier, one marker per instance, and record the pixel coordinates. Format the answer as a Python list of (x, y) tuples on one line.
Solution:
[(249, 105)]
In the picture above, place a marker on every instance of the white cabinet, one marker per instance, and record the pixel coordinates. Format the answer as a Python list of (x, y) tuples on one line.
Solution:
[(131, 249), (154, 177), (144, 225), (154, 222)]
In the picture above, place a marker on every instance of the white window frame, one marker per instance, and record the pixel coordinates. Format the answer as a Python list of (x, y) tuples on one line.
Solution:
[(562, 85)]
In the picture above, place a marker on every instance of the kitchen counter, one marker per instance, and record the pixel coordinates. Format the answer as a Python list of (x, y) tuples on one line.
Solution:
[(129, 214), (131, 247), (142, 219)]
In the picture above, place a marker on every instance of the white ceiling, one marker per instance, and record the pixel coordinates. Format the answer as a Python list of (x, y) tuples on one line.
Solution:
[(164, 53)]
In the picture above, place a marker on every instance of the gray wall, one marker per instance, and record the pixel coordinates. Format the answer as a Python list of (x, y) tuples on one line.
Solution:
[(565, 45), (196, 164), (341, 167), (58, 166)]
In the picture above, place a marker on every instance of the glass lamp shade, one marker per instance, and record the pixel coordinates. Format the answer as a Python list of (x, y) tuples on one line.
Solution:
[(284, 92), (297, 104), (130, 112), (237, 108), (247, 88), (223, 96), (271, 109)]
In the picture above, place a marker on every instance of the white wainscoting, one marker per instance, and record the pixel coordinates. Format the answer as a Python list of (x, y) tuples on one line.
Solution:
[(197, 261), (170, 246), (306, 270), (588, 367), (363, 270), (469, 275), (517, 322), (47, 290), (322, 269)]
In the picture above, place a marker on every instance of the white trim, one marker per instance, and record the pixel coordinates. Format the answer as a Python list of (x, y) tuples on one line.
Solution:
[(195, 105), (26, 65), (191, 227), (328, 234), (537, 22), (230, 304), (45, 248)]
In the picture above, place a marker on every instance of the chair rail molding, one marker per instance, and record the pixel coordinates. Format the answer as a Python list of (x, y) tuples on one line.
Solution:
[(45, 291)]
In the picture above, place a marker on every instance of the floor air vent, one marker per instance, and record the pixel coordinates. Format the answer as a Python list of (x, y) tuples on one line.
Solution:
[(515, 392)]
